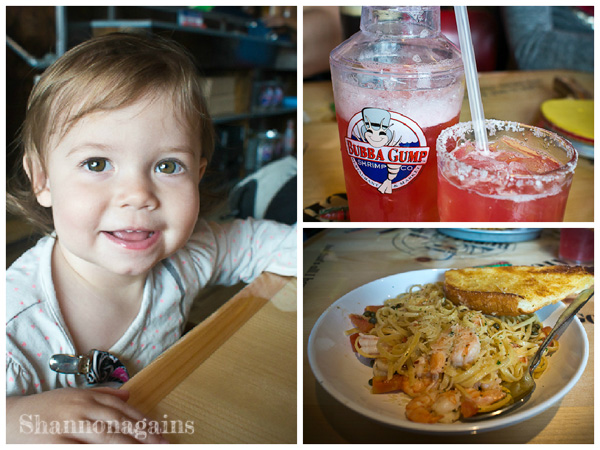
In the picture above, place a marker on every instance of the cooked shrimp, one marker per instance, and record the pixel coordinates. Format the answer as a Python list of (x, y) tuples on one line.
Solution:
[(485, 397), (437, 362), (466, 348), (474, 399), (493, 383), (421, 366), (419, 409), (448, 406), (380, 368), (433, 407), (458, 345), (368, 344), (417, 386)]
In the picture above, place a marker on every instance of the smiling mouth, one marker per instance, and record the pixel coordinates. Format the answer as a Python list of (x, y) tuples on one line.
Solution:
[(133, 239), (132, 235)]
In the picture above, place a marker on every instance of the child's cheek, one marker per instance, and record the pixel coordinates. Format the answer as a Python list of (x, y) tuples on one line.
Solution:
[(76, 208)]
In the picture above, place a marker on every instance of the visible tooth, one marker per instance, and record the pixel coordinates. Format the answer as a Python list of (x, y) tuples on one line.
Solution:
[(138, 231)]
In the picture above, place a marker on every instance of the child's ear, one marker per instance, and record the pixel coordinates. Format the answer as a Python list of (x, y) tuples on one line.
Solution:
[(203, 164), (39, 181)]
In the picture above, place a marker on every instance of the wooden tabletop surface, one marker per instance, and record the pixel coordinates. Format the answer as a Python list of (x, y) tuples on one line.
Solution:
[(510, 95), (340, 260), (232, 378)]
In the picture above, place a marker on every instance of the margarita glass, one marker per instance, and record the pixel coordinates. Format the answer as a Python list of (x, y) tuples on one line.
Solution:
[(524, 176)]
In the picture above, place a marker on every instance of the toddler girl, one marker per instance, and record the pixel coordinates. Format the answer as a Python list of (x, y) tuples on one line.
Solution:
[(116, 140)]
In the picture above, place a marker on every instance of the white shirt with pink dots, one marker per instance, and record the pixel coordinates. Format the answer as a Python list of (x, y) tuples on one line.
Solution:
[(217, 254)]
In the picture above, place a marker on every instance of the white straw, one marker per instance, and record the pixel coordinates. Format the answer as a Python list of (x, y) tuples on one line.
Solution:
[(468, 55)]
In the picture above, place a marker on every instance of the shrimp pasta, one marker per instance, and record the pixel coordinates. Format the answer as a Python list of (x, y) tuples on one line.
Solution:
[(451, 360)]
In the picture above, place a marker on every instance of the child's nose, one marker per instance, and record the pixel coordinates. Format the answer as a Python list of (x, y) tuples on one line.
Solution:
[(137, 192)]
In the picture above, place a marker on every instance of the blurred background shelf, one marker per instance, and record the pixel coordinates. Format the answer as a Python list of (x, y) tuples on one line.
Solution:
[(255, 114)]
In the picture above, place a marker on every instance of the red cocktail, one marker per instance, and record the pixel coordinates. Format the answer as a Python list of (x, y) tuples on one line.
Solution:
[(524, 175)]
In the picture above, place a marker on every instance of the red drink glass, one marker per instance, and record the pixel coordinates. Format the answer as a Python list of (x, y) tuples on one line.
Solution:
[(577, 245), (397, 84), (525, 175)]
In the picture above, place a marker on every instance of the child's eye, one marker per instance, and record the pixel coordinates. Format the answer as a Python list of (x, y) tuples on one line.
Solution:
[(97, 165), (169, 166)]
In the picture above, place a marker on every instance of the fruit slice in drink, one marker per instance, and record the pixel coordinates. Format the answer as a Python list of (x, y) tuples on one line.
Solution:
[(525, 175)]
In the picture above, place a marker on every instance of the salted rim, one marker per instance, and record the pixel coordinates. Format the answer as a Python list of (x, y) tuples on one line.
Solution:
[(494, 125)]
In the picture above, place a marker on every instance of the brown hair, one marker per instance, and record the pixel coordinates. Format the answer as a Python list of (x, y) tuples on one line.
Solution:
[(103, 74)]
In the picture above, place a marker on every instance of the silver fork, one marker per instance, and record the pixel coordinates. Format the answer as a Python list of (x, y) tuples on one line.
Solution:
[(522, 389)]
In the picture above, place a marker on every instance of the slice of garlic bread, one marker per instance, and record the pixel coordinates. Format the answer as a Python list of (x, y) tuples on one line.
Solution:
[(515, 290)]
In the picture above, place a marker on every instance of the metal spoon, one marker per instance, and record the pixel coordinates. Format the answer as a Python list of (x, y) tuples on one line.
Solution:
[(521, 390)]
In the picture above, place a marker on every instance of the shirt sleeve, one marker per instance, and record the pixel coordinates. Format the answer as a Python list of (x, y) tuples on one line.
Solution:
[(18, 380), (538, 42), (241, 250)]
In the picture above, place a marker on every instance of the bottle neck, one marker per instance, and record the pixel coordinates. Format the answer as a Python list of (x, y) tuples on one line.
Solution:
[(401, 21)]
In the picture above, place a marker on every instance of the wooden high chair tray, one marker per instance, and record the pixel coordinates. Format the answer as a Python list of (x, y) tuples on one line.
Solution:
[(231, 379)]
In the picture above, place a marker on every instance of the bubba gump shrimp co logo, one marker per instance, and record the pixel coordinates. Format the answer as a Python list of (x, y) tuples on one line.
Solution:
[(387, 149)]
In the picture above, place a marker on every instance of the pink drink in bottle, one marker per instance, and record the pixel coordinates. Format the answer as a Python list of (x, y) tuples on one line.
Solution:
[(397, 84)]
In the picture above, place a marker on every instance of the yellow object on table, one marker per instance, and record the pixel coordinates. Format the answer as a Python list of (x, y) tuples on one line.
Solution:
[(574, 116)]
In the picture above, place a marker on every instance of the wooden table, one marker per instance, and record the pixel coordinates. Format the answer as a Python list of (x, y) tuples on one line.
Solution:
[(511, 95), (340, 260), (231, 379)]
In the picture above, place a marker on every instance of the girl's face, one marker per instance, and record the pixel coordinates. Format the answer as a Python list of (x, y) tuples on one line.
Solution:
[(123, 187)]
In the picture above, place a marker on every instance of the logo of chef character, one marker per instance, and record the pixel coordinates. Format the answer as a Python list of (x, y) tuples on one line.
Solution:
[(394, 149), (376, 131)]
